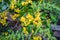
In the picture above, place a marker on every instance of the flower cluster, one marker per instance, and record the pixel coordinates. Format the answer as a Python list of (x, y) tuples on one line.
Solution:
[(15, 16), (26, 2), (3, 18), (23, 20), (13, 4), (30, 19)]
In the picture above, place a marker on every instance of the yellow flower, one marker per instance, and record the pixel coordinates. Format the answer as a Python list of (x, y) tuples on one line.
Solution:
[(17, 10), (37, 14), (5, 33), (23, 3), (15, 16), (3, 15), (37, 22), (12, 7), (40, 38), (37, 19), (41, 1), (22, 19), (3, 21), (3, 18), (26, 3), (37, 38), (29, 17), (27, 22), (30, 1), (13, 3), (25, 30)]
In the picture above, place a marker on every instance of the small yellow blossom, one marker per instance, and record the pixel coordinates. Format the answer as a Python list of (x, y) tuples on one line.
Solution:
[(13, 3), (22, 19), (3, 21), (27, 22), (17, 10), (30, 1), (3, 15), (37, 38), (41, 1), (23, 3), (5, 33), (26, 3), (3, 18), (36, 20), (12, 7), (15, 16), (25, 30), (29, 17), (37, 14)]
